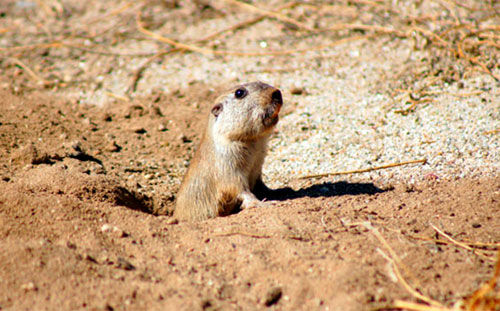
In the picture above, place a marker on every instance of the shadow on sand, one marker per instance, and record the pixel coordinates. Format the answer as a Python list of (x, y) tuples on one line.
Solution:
[(327, 189)]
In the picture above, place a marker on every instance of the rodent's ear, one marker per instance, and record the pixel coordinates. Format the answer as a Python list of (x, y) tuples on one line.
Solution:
[(216, 110)]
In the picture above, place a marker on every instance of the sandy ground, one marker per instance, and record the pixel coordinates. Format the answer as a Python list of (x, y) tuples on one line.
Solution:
[(90, 164)]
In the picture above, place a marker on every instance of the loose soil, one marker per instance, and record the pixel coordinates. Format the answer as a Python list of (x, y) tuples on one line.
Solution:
[(77, 234)]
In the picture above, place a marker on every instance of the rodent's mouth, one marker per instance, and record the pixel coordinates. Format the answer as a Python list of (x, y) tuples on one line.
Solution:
[(274, 120), (271, 114)]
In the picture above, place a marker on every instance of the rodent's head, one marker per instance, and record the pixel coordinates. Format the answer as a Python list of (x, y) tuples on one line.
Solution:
[(247, 112)]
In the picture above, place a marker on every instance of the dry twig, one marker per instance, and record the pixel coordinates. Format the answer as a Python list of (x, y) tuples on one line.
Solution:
[(132, 87), (248, 234), (460, 244), (408, 305), (271, 14), (30, 71), (396, 263), (492, 131), (490, 246), (486, 298), (193, 48), (374, 28), (414, 103), (423, 161)]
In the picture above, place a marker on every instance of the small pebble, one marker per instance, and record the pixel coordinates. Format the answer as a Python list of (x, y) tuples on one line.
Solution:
[(172, 221), (90, 258), (106, 228), (185, 139), (273, 296), (107, 117), (162, 127), (140, 130), (119, 233), (113, 147), (29, 286), (76, 145), (124, 264), (297, 91)]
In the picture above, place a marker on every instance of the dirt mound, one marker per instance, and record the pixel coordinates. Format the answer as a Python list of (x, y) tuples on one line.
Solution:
[(46, 194), (71, 240)]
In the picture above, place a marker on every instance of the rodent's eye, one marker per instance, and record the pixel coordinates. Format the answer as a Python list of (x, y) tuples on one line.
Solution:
[(240, 93)]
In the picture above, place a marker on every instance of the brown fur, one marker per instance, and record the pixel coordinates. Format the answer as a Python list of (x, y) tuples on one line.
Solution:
[(228, 162)]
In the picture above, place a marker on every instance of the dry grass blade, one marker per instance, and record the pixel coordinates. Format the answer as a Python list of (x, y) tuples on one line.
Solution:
[(244, 23), (492, 131), (55, 44), (45, 7), (94, 51), (30, 71), (460, 244), (396, 263), (431, 93), (487, 297), (178, 45), (423, 161), (374, 28), (414, 104), (259, 236), (132, 87), (435, 36), (476, 61), (193, 48), (271, 14), (119, 97), (112, 13), (450, 238), (413, 306), (247, 234), (491, 246)]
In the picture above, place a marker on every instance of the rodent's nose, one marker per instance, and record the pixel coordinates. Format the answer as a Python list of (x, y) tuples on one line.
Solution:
[(276, 97)]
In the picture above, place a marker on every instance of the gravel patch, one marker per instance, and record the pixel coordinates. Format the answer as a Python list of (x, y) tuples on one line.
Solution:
[(347, 119)]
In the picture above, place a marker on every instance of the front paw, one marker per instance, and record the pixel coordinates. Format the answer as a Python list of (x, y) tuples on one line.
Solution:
[(252, 204)]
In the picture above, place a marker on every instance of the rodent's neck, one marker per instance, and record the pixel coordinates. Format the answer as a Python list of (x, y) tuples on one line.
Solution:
[(219, 136)]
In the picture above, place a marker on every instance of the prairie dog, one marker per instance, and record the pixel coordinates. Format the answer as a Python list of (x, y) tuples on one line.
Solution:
[(228, 163)]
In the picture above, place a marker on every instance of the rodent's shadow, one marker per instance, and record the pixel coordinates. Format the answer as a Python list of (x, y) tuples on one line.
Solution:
[(327, 189)]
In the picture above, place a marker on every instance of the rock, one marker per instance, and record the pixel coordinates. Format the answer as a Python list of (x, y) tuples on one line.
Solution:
[(298, 91), (29, 286), (140, 130), (90, 124), (273, 296), (162, 127), (185, 139), (124, 264), (89, 258), (172, 221), (115, 231), (134, 112), (31, 155), (113, 147), (76, 148), (106, 228), (107, 117), (156, 111)]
